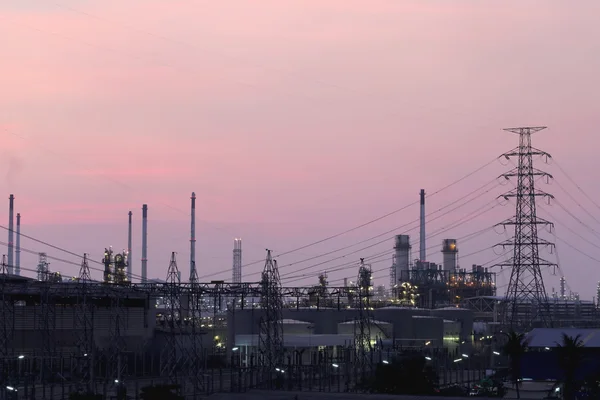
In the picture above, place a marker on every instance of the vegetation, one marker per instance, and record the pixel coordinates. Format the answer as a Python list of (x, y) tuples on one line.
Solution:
[(570, 358), (408, 375), (161, 392), (515, 346)]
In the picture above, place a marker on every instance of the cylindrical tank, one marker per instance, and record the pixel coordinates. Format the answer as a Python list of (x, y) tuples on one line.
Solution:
[(402, 250), (450, 253)]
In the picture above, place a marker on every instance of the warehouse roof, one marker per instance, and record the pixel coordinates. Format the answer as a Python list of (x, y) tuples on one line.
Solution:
[(552, 337)]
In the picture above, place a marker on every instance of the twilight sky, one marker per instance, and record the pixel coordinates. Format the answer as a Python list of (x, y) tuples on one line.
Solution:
[(293, 121)]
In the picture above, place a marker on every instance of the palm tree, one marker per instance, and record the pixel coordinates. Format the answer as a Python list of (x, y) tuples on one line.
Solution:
[(570, 357), (514, 348)]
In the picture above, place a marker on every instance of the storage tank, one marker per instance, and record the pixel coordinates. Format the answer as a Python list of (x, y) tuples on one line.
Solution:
[(428, 328), (402, 251), (450, 253)]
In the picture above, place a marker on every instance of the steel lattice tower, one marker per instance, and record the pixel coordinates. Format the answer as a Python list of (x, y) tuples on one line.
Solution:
[(172, 356), (271, 326), (84, 326), (47, 327), (362, 324), (196, 353), (118, 326), (526, 295), (6, 328)]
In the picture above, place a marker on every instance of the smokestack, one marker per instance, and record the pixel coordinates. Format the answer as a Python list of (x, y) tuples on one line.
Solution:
[(11, 232), (449, 254), (237, 260), (144, 243), (18, 251), (193, 240), (422, 255), (402, 252), (129, 236)]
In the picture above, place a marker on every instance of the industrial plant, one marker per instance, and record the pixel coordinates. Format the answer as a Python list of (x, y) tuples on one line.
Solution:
[(111, 335)]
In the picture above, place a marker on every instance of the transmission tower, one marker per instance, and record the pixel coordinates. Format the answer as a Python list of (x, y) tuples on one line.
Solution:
[(84, 270), (362, 324), (7, 317), (271, 326), (47, 328), (172, 355), (196, 352), (84, 326), (527, 301)]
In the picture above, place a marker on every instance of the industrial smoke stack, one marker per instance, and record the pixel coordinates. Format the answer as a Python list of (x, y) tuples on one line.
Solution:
[(237, 261), (129, 243), (422, 255), (18, 251), (11, 232), (402, 252), (144, 243), (449, 254), (193, 239)]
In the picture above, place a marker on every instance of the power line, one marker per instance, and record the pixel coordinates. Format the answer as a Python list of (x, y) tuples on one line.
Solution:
[(458, 223), (369, 258), (380, 218), (575, 183)]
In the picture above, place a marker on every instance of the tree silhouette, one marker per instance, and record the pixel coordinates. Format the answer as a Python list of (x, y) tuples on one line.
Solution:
[(410, 375), (570, 357), (515, 346)]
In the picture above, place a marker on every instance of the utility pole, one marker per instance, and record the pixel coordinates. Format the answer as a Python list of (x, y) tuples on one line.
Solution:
[(527, 301)]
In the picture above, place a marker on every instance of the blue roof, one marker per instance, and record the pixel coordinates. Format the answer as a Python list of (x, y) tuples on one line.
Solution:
[(551, 337)]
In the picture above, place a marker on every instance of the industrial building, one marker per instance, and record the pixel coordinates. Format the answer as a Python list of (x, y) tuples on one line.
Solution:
[(163, 328), (311, 330)]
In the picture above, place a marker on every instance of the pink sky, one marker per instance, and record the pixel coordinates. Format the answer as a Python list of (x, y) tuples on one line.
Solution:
[(292, 121)]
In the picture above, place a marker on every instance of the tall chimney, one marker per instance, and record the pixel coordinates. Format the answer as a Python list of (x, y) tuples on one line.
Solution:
[(193, 239), (144, 243), (449, 254), (129, 258), (402, 252), (422, 255), (18, 251), (237, 260), (11, 232)]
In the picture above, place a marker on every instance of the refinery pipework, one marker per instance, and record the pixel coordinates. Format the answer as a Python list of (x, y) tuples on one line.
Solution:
[(402, 256), (449, 254)]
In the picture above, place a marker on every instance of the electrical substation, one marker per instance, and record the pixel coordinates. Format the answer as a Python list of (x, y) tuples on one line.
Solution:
[(62, 335)]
